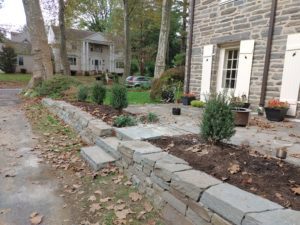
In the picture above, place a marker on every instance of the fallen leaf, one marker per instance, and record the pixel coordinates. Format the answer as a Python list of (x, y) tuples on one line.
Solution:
[(98, 192), (135, 196), (121, 215), (234, 168), (148, 207), (279, 196), (92, 198), (296, 190), (35, 218), (95, 207), (103, 200), (141, 215), (119, 207)]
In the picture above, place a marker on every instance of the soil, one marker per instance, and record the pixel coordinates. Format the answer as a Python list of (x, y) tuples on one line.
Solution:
[(103, 112), (240, 166)]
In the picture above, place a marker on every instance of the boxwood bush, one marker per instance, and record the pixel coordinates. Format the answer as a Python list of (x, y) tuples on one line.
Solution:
[(119, 99), (82, 93), (198, 104), (98, 93), (217, 120)]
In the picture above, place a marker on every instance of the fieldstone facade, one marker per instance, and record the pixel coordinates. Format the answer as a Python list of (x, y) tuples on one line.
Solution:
[(232, 21)]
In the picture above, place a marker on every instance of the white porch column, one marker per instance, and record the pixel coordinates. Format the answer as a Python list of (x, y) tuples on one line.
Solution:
[(87, 57), (83, 58)]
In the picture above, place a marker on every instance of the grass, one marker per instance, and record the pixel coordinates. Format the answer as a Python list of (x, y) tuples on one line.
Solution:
[(134, 97), (17, 79)]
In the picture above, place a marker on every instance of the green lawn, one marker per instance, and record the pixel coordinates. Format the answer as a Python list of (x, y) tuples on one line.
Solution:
[(16, 79), (134, 97)]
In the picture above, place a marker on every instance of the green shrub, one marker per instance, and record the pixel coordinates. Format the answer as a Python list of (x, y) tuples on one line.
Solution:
[(119, 99), (150, 118), (98, 93), (55, 86), (168, 79), (217, 120), (124, 121), (82, 93), (198, 104)]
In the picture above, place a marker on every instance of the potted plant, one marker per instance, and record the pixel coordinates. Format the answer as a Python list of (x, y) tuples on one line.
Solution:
[(187, 98), (241, 113), (276, 110), (177, 110)]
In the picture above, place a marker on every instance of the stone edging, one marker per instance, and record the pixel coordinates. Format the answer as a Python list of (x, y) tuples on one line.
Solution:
[(185, 195)]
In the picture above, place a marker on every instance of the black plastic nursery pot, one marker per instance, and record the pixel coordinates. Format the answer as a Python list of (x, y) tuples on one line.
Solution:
[(176, 111), (274, 114), (187, 100)]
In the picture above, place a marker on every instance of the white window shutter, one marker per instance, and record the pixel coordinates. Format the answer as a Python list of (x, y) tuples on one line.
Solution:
[(244, 68), (290, 77), (206, 70)]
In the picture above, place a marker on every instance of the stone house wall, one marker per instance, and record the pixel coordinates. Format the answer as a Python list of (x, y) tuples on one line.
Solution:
[(238, 20)]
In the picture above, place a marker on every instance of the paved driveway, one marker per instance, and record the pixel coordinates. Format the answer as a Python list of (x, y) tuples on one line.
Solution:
[(26, 186)]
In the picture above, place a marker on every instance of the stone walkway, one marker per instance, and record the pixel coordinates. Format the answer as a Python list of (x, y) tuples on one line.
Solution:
[(266, 140)]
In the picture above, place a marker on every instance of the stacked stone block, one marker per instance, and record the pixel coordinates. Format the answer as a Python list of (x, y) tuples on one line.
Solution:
[(184, 195)]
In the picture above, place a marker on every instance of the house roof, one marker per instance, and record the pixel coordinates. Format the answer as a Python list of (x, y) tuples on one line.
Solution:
[(73, 34)]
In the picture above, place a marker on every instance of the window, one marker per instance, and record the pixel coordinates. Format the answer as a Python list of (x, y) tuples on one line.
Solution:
[(21, 61), (230, 68), (119, 65), (72, 61)]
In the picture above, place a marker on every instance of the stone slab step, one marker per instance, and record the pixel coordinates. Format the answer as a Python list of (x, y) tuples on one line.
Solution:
[(96, 157), (110, 145)]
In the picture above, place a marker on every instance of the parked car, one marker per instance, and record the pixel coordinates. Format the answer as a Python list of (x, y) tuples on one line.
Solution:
[(137, 81)]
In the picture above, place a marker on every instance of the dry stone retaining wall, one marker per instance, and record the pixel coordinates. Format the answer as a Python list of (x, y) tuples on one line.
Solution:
[(185, 196)]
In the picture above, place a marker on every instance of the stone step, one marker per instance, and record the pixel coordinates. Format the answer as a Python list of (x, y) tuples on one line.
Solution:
[(110, 145), (96, 157)]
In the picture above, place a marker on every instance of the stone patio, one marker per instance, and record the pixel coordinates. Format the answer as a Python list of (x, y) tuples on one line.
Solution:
[(265, 140)]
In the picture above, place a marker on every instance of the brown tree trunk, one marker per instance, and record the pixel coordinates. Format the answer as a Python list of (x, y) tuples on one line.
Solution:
[(127, 44), (42, 65), (63, 48), (184, 22), (160, 63)]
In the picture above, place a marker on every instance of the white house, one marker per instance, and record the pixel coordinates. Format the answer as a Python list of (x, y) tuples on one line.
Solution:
[(88, 52)]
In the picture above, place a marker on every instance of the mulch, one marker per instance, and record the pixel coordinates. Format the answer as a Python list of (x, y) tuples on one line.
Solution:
[(240, 166), (103, 112)]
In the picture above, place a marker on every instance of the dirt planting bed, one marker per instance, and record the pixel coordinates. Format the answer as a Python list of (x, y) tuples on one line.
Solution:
[(103, 112), (240, 166)]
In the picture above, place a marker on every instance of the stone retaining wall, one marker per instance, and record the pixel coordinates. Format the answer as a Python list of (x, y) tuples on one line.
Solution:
[(185, 196)]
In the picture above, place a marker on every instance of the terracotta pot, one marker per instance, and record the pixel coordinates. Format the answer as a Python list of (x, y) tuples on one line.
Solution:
[(241, 116), (274, 114)]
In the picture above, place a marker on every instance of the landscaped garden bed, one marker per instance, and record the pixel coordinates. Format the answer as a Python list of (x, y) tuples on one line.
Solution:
[(103, 112), (239, 166)]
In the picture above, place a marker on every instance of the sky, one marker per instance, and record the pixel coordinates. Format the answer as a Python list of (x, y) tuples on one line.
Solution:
[(12, 14)]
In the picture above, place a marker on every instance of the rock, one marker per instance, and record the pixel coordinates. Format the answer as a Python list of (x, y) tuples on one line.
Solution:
[(192, 182), (174, 202), (96, 157), (165, 171), (129, 148), (233, 203), (277, 217)]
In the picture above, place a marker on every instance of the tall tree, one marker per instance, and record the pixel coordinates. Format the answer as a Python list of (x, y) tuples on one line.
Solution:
[(63, 46), (184, 23), (127, 43), (160, 63), (42, 68)]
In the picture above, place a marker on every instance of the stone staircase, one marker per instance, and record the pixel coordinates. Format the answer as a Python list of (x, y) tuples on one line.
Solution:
[(103, 153)]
